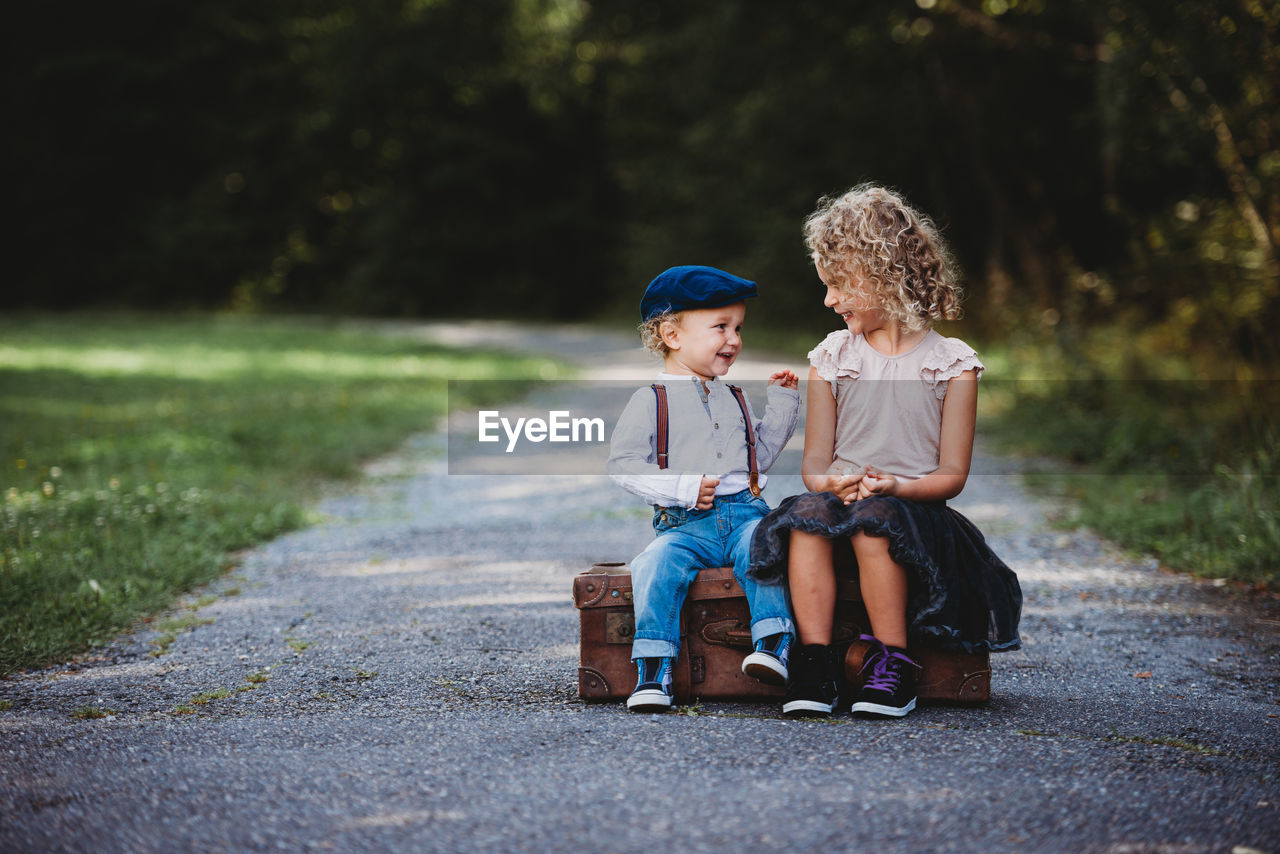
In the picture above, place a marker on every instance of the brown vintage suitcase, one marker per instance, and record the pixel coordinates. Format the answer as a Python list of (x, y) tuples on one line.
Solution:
[(715, 632)]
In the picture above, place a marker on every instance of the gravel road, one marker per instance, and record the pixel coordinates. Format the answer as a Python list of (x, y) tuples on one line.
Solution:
[(401, 676)]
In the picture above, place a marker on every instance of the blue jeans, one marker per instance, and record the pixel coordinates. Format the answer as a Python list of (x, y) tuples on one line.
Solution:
[(689, 540)]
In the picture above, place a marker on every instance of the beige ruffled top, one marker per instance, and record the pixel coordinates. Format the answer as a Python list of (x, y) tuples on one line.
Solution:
[(889, 408)]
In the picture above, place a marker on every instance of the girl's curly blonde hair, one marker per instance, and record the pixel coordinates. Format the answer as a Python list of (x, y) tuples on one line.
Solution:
[(870, 242), (651, 331)]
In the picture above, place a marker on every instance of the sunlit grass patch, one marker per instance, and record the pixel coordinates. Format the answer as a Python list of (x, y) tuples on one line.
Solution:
[(205, 697), (1161, 455), (168, 632), (137, 452)]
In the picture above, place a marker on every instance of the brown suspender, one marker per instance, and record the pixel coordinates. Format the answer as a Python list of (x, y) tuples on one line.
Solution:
[(751, 441), (660, 392)]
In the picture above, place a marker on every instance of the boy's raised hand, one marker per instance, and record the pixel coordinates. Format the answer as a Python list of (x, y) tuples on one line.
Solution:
[(786, 379), (707, 492)]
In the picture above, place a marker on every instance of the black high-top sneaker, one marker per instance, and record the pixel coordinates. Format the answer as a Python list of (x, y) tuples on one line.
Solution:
[(889, 681), (768, 661), (813, 688), (653, 687)]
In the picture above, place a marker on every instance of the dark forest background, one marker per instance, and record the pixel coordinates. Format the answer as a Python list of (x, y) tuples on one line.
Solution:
[(1092, 162)]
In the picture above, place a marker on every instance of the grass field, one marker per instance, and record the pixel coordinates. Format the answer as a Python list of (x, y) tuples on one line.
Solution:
[(138, 452), (1158, 453)]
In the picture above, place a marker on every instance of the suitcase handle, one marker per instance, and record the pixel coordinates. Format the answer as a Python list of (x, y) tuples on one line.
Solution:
[(727, 633)]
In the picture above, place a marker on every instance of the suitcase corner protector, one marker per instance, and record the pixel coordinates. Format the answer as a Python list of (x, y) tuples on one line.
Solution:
[(975, 689), (592, 684)]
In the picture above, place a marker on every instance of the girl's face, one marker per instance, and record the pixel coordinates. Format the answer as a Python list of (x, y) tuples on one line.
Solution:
[(706, 341), (856, 308)]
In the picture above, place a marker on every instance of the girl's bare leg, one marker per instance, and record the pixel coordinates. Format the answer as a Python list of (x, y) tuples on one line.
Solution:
[(812, 578), (884, 588)]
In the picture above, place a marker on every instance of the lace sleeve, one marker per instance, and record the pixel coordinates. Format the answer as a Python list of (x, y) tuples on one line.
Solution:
[(948, 359), (835, 358)]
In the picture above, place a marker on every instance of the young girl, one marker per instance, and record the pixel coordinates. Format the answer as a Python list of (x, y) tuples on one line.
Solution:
[(888, 439)]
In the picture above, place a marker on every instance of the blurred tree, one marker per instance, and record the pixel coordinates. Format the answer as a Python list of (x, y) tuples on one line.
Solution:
[(384, 157), (108, 120), (1095, 160), (434, 181), (728, 121), (1206, 75), (1174, 153)]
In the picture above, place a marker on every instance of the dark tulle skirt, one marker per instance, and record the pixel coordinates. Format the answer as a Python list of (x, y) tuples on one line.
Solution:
[(960, 595)]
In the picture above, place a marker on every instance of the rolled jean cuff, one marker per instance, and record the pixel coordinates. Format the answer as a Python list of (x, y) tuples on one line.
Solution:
[(769, 626), (653, 648)]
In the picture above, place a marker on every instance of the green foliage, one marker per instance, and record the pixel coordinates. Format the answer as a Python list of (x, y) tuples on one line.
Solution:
[(386, 156), (1085, 159), (1088, 160), (1182, 467), (1100, 163), (137, 452), (205, 697), (169, 630)]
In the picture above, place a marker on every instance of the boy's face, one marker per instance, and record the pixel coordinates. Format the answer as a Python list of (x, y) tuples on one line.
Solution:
[(706, 341)]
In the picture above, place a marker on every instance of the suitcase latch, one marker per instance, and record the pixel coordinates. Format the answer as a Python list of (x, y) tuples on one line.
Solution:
[(619, 628)]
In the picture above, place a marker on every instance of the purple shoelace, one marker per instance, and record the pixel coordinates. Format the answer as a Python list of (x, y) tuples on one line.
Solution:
[(885, 674)]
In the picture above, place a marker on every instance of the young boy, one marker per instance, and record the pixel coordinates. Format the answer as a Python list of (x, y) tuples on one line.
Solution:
[(705, 489)]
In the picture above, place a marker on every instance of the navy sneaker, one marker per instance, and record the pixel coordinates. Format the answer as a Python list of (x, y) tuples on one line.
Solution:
[(768, 662), (653, 689), (889, 681), (813, 689)]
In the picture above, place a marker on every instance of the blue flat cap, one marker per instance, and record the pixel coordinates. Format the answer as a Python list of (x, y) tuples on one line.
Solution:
[(682, 288)]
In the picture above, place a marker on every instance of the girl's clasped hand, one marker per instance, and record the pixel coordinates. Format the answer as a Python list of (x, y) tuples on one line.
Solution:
[(862, 483)]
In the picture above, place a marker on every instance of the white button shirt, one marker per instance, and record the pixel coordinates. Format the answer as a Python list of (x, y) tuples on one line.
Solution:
[(706, 435)]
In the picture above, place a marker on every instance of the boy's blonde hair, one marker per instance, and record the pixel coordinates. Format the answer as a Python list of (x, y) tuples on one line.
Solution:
[(871, 235), (651, 331)]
